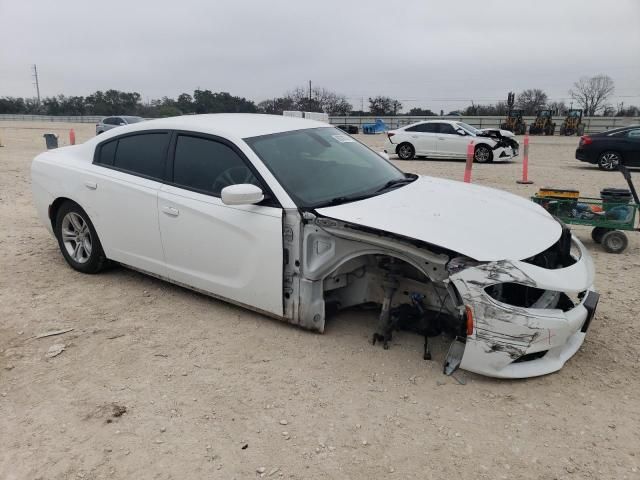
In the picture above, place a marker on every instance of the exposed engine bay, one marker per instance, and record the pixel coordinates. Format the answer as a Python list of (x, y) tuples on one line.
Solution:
[(421, 288)]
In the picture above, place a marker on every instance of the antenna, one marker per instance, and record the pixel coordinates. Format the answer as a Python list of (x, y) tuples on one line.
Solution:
[(36, 83)]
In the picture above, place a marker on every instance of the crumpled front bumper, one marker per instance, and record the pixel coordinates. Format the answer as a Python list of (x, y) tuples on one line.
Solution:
[(516, 342), (504, 153)]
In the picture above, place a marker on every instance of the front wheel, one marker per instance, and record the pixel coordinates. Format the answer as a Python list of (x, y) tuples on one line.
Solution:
[(483, 154), (615, 241), (78, 240), (609, 160), (406, 151)]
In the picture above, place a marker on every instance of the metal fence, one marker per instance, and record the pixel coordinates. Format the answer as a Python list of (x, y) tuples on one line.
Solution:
[(8, 117), (592, 124)]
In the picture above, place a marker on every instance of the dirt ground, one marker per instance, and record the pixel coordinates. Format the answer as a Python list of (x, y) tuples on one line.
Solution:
[(158, 382)]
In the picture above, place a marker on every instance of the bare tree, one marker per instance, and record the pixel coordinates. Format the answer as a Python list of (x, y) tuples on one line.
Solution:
[(558, 108), (384, 106), (592, 93), (531, 100)]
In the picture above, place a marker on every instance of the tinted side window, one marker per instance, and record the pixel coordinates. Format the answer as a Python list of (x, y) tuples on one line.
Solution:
[(634, 133), (208, 166), (424, 128), (445, 128), (107, 153), (143, 154)]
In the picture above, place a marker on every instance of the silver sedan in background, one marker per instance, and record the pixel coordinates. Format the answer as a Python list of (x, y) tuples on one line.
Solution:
[(108, 123)]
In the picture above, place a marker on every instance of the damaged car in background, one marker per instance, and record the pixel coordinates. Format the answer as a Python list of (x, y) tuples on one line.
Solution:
[(297, 220), (450, 139)]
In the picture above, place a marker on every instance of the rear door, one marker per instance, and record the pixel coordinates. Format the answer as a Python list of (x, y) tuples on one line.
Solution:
[(234, 252), (450, 143), (122, 192), (423, 138)]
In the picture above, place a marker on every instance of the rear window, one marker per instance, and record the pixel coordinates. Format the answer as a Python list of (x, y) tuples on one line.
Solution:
[(142, 155)]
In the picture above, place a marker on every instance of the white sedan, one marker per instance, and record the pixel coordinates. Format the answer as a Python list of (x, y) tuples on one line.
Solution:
[(296, 219), (450, 139)]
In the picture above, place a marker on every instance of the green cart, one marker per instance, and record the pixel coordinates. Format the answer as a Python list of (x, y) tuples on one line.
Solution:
[(610, 215)]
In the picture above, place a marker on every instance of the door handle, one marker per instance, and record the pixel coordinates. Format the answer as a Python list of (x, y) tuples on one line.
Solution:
[(174, 212), (91, 185)]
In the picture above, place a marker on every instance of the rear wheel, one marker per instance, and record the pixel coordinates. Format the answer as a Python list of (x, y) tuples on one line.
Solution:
[(78, 240), (406, 151), (609, 160), (483, 154), (615, 241)]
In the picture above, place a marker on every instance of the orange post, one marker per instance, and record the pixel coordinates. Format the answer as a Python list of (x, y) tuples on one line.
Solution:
[(72, 137), (467, 168), (525, 163)]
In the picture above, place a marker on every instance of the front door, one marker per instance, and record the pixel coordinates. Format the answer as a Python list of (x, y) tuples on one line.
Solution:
[(234, 252), (450, 143)]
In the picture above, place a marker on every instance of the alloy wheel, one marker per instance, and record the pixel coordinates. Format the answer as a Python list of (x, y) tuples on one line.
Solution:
[(609, 160), (76, 237)]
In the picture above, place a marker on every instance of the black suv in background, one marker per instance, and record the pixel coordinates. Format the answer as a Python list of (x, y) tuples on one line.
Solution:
[(611, 148)]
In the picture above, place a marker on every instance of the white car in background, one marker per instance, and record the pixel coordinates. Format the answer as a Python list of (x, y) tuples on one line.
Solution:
[(296, 219), (450, 139)]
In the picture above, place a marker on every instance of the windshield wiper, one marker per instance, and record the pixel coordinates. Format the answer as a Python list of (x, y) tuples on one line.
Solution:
[(353, 198), (394, 183), (342, 199)]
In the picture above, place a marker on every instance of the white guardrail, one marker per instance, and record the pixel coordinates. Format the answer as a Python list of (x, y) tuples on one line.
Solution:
[(592, 124)]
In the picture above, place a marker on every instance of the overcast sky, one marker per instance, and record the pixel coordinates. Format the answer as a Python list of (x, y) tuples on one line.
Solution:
[(435, 54)]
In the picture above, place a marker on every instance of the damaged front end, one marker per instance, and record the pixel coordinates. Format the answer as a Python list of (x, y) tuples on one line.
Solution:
[(506, 319), (529, 317), (501, 140)]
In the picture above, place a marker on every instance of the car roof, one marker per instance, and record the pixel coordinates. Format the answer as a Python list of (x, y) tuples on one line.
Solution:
[(238, 125), (431, 121), (617, 129)]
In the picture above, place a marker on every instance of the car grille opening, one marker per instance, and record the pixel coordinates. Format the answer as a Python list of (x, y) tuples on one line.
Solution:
[(531, 356)]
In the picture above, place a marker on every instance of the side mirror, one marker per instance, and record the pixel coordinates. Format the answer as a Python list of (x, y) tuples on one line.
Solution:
[(242, 194), (384, 155), (122, 122), (461, 132)]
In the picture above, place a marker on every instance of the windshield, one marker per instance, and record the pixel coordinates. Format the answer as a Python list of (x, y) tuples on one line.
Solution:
[(469, 128), (133, 119), (323, 166)]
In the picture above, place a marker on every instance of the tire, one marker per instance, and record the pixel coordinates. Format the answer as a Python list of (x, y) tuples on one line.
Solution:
[(609, 160), (483, 154), (405, 151), (598, 232), (78, 240), (615, 241)]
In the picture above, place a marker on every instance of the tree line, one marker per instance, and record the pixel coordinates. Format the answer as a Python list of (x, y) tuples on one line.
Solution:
[(590, 94)]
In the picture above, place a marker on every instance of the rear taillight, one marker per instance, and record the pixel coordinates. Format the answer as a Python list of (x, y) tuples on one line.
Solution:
[(586, 140), (390, 134)]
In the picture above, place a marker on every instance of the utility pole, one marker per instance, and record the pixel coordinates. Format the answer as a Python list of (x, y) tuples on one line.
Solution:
[(309, 91), (37, 83)]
